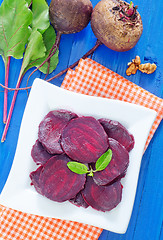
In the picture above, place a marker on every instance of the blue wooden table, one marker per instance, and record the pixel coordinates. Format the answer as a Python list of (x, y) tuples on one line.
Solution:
[(147, 217)]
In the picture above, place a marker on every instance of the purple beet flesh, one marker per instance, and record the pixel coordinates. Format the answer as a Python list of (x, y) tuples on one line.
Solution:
[(35, 175), (39, 153), (50, 129), (84, 139), (79, 201), (117, 131), (57, 182), (63, 136), (102, 198), (116, 168)]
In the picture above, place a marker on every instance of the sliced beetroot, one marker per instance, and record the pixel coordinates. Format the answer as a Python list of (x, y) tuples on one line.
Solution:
[(51, 127), (117, 131), (102, 198), (39, 153), (79, 201), (84, 139), (117, 166), (57, 182), (35, 175)]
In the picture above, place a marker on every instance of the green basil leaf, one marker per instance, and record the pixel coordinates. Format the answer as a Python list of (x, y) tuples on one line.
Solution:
[(49, 37), (40, 11), (131, 5), (77, 167), (104, 160), (15, 18)]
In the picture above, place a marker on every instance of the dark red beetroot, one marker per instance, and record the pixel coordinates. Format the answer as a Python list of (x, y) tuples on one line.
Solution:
[(57, 182), (117, 167), (117, 131), (70, 16), (35, 175), (102, 198), (51, 127), (39, 153), (84, 139), (79, 201)]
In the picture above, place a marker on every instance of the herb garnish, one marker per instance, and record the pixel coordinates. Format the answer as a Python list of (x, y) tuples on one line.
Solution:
[(100, 165)]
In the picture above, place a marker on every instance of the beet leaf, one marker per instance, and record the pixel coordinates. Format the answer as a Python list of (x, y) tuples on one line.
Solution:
[(29, 2), (40, 12), (35, 49), (49, 37), (37, 43), (15, 18)]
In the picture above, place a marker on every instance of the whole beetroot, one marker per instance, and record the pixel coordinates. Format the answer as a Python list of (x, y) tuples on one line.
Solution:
[(70, 16), (66, 16), (116, 24)]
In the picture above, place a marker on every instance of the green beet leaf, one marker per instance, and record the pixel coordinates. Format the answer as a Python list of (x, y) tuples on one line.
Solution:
[(29, 2), (104, 160), (77, 167), (49, 37), (35, 49), (15, 18), (40, 11)]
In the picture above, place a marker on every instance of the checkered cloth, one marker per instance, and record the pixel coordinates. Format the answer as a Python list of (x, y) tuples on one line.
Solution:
[(90, 78)]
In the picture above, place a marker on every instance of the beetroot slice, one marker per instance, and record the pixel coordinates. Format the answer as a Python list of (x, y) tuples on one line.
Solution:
[(79, 201), (102, 198), (116, 168), (35, 175), (117, 131), (57, 182), (51, 127), (84, 139), (39, 153)]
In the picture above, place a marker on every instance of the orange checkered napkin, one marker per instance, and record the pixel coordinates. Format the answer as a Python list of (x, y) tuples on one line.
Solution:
[(90, 78), (16, 225)]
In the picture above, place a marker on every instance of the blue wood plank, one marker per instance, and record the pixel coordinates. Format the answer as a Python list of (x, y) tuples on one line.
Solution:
[(147, 216)]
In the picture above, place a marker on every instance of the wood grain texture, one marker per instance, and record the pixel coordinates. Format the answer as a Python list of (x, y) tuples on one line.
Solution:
[(147, 217)]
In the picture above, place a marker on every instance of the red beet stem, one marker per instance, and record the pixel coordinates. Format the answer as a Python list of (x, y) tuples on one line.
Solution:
[(98, 43), (6, 90), (11, 109)]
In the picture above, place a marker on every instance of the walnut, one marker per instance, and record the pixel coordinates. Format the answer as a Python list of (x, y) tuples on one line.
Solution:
[(136, 64), (132, 69), (137, 60), (147, 68)]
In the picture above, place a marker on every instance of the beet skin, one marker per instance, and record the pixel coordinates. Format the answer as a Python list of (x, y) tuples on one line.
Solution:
[(70, 16), (114, 26)]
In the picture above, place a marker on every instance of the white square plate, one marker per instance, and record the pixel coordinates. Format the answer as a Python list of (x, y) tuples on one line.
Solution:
[(44, 97)]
